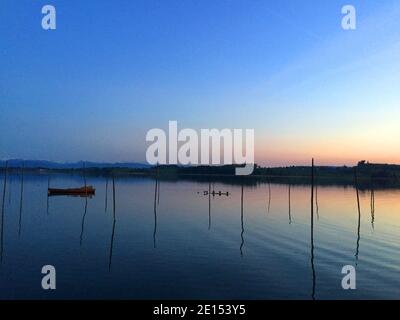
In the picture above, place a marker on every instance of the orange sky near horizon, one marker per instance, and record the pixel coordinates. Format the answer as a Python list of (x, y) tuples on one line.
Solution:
[(328, 151)]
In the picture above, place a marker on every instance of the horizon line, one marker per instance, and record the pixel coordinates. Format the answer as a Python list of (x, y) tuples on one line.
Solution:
[(180, 165)]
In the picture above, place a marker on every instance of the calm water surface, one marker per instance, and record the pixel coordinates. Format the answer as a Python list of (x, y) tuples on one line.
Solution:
[(180, 244)]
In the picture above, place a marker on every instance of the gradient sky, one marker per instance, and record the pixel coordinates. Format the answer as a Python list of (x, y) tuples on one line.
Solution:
[(113, 70)]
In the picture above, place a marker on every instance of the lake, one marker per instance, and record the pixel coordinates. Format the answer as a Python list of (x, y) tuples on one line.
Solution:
[(181, 243)]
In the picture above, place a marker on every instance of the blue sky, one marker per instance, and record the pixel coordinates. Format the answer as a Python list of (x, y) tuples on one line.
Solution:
[(114, 69)]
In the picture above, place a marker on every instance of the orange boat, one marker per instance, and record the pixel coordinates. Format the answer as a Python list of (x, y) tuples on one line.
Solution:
[(83, 191)]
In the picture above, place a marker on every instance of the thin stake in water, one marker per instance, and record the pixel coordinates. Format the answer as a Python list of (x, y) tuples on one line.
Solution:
[(2, 212), (372, 205), (359, 215), (113, 227), (290, 214), (48, 187), (105, 205), (86, 203), (312, 232), (269, 196), (21, 200), (242, 225), (209, 205)]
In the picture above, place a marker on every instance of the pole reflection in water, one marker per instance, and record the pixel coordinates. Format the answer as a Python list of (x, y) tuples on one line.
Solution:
[(242, 225), (47, 200), (9, 191), (269, 196), (21, 200), (209, 206), (83, 222), (2, 212), (155, 214), (85, 210), (290, 215), (158, 192), (113, 227), (106, 193), (359, 215), (372, 206), (316, 199), (312, 232)]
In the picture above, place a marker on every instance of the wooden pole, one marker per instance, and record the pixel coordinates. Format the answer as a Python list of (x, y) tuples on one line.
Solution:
[(2, 212), (105, 205), (155, 212), (359, 214), (316, 196), (48, 187), (242, 225), (372, 204), (21, 199), (290, 214), (84, 177), (9, 191), (113, 227), (269, 196), (312, 231), (158, 187), (158, 192), (86, 203), (209, 205), (113, 182)]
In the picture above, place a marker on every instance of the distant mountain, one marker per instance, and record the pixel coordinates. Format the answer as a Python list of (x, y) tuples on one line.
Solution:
[(72, 165)]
